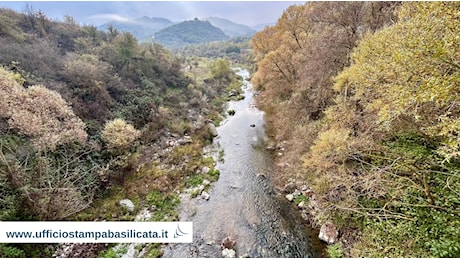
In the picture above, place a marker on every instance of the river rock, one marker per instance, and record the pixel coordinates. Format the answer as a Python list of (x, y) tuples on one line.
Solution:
[(296, 193), (302, 205), (171, 143), (205, 170), (197, 190), (290, 197), (185, 140), (271, 148), (329, 233), (127, 204), (289, 188), (78, 250), (304, 188), (228, 253), (212, 129), (206, 183), (144, 215), (205, 195)]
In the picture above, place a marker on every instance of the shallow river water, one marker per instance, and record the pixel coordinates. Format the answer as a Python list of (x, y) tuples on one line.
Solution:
[(243, 204)]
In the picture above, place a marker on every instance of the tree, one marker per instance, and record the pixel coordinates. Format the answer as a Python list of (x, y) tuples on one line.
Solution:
[(414, 77), (389, 148), (221, 70)]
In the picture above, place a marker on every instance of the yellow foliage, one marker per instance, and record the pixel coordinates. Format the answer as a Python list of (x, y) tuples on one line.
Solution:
[(119, 135), (331, 147), (410, 70)]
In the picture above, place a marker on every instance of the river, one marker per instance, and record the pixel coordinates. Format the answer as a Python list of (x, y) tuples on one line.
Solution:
[(243, 204)]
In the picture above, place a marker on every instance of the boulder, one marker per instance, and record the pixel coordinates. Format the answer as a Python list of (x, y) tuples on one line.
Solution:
[(296, 193), (127, 204), (205, 195), (205, 170), (212, 129), (228, 253), (290, 197), (206, 183), (329, 233)]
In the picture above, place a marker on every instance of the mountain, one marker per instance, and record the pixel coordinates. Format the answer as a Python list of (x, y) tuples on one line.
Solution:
[(189, 32), (230, 28), (142, 28)]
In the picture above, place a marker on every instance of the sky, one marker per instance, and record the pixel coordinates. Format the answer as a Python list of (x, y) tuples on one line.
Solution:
[(99, 12)]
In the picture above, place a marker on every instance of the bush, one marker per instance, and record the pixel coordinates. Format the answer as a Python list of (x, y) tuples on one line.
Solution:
[(11, 252), (39, 113), (335, 250), (119, 135)]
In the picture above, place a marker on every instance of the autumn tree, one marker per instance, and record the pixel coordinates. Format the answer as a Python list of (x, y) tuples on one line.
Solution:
[(390, 146)]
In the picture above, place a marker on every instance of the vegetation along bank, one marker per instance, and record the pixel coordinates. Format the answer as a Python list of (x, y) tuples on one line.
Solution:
[(95, 126), (362, 99)]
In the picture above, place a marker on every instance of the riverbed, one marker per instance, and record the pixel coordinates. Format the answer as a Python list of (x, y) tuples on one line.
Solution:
[(243, 205)]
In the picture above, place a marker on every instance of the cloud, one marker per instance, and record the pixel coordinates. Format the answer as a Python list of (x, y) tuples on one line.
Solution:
[(103, 18), (100, 12)]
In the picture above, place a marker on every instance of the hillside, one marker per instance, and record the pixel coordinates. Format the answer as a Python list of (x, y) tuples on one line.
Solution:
[(368, 116), (142, 28), (88, 118), (188, 33), (230, 28)]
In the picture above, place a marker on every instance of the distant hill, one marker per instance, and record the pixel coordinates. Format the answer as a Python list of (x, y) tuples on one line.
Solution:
[(142, 28), (230, 28), (189, 32)]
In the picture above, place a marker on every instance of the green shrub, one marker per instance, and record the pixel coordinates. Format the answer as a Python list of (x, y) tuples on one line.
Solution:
[(11, 252), (165, 204), (335, 250), (109, 253), (194, 181), (300, 198), (214, 173)]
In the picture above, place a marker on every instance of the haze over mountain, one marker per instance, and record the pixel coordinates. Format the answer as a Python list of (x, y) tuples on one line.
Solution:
[(142, 28), (101, 12), (231, 28)]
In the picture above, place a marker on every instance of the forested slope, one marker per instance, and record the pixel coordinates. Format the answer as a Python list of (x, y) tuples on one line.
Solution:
[(365, 95), (85, 116)]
